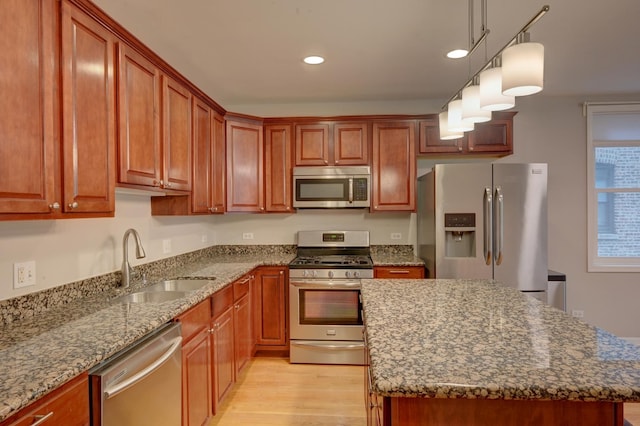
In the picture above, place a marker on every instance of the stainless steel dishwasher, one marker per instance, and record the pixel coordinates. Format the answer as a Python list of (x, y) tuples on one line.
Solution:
[(141, 385)]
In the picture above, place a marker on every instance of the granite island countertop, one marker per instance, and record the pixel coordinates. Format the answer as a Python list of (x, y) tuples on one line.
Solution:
[(42, 352), (480, 339)]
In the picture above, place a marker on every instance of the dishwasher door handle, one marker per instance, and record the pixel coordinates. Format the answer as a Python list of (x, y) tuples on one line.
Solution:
[(116, 389)]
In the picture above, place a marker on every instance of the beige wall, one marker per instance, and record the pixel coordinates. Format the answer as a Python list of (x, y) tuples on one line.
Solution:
[(550, 130)]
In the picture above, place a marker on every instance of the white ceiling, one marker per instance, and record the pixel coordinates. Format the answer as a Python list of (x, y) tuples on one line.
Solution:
[(250, 51)]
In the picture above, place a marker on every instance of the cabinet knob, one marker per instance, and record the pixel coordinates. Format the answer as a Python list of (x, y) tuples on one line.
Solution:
[(73, 205), (158, 182), (281, 272), (54, 206), (460, 148), (213, 209), (261, 209), (167, 185)]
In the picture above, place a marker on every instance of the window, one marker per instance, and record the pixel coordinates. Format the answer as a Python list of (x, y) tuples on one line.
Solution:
[(613, 173)]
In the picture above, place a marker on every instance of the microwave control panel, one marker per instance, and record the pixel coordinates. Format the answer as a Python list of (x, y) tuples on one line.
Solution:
[(360, 189)]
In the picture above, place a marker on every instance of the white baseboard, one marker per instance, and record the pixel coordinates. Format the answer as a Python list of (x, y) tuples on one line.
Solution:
[(635, 340)]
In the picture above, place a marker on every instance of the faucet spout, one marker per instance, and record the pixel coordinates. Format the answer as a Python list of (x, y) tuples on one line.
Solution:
[(126, 268)]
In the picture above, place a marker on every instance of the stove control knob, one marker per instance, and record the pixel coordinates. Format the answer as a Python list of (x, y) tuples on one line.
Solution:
[(315, 274), (347, 274), (330, 274), (356, 274)]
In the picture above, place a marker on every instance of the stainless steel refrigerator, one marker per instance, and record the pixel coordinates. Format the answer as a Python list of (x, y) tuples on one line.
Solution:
[(485, 221)]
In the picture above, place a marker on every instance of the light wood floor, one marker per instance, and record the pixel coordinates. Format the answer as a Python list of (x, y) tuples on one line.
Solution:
[(271, 392)]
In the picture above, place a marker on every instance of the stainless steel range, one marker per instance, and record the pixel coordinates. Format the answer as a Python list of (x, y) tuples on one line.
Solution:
[(325, 312)]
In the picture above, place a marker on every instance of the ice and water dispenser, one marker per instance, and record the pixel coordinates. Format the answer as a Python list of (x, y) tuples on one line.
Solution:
[(460, 234)]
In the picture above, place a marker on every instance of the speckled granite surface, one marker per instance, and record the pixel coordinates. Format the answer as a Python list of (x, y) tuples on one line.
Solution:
[(478, 339), (42, 350), (394, 255)]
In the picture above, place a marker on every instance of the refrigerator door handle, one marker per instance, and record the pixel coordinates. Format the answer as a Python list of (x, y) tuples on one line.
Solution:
[(488, 225), (499, 228)]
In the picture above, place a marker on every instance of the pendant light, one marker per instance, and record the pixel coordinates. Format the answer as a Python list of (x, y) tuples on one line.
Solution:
[(445, 133), (523, 67), (471, 111), (455, 118), (491, 97)]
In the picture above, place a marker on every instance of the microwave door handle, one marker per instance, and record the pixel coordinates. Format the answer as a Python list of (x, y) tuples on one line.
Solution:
[(350, 190)]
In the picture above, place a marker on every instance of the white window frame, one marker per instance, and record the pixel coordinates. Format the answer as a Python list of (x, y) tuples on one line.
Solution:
[(595, 262)]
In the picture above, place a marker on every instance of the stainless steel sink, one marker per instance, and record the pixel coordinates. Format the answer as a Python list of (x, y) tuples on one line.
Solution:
[(151, 297), (181, 284)]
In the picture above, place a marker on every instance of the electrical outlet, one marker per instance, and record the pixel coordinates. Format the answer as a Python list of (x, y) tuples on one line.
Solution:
[(396, 236), (247, 236), (577, 313), (166, 246), (24, 274)]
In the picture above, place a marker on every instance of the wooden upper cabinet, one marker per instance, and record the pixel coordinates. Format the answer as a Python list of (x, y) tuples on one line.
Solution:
[(176, 120), (312, 144), (201, 193), (218, 165), (27, 107), (393, 172), (88, 114), (351, 144), (138, 113), (245, 184), (278, 196), (340, 144), (494, 138)]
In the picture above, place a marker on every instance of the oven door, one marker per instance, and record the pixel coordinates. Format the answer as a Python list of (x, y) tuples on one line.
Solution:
[(325, 310)]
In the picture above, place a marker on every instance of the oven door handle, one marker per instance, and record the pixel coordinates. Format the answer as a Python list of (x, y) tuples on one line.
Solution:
[(326, 285), (329, 347)]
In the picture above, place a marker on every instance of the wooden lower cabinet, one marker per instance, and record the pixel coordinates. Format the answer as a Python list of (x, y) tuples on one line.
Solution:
[(242, 322), (67, 405), (398, 272), (223, 355), (196, 365), (270, 310)]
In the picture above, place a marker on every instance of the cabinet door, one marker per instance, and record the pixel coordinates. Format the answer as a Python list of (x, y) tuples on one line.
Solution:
[(271, 312), (495, 136), (312, 144), (218, 165), (201, 191), (398, 272), (27, 106), (245, 191), (88, 114), (223, 355), (278, 168), (430, 142), (138, 109), (242, 329), (394, 166), (176, 124), (351, 144), (196, 380)]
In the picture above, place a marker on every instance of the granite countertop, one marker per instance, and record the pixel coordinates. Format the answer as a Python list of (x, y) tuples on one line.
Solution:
[(46, 350), (385, 255), (480, 339)]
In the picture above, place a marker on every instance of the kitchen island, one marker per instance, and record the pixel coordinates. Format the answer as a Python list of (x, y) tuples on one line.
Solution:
[(474, 352)]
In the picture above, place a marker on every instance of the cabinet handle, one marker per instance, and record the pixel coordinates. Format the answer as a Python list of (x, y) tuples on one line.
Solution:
[(54, 206), (398, 271), (40, 418), (73, 205)]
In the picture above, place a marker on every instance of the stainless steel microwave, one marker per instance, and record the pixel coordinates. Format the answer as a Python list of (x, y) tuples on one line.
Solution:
[(332, 187)]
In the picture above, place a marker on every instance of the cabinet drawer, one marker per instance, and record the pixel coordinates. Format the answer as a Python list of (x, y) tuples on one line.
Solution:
[(67, 405), (399, 272), (241, 287), (221, 301), (195, 320)]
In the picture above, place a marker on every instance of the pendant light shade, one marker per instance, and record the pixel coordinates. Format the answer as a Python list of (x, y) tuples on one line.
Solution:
[(455, 118), (445, 133), (471, 111), (491, 97), (523, 68)]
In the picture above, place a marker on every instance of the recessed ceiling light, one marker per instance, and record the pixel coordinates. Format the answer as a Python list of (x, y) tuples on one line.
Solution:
[(457, 53), (313, 60)]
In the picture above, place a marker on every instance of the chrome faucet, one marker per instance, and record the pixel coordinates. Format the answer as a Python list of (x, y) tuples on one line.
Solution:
[(126, 268)]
